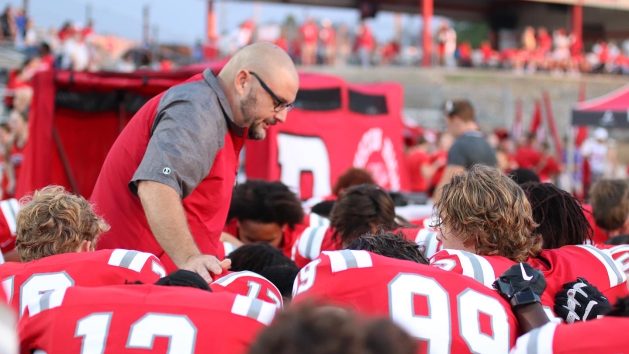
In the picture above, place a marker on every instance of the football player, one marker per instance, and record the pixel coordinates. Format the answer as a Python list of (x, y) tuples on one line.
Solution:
[(487, 226), (183, 317), (445, 312), (56, 233), (360, 209), (578, 300)]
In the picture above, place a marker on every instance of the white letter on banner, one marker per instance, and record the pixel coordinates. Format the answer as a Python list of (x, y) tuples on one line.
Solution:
[(298, 154)]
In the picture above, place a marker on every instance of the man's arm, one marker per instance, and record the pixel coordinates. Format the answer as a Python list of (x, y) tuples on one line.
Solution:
[(166, 217)]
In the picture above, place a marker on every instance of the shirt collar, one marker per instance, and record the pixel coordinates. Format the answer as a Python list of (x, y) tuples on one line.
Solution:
[(211, 80)]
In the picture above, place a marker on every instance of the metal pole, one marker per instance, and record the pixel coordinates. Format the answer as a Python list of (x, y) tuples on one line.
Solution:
[(427, 11)]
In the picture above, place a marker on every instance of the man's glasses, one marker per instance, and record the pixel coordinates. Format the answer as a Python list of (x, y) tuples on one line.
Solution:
[(280, 104)]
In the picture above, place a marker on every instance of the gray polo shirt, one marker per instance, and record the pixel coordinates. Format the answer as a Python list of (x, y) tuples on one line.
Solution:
[(188, 131), (469, 149)]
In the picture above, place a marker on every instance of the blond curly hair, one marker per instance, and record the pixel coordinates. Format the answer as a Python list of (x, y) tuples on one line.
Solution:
[(54, 221), (489, 211)]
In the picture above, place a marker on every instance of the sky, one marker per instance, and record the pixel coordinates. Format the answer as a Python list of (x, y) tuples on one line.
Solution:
[(183, 21)]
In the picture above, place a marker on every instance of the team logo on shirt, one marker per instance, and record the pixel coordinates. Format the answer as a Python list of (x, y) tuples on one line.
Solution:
[(167, 171)]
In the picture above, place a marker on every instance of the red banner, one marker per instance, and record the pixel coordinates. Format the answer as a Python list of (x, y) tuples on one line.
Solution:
[(313, 148)]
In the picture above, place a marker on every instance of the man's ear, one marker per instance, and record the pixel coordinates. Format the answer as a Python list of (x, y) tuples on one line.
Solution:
[(241, 82)]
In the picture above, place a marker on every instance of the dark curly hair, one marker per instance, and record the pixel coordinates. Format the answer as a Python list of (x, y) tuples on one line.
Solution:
[(559, 215), (362, 209), (266, 202), (389, 245)]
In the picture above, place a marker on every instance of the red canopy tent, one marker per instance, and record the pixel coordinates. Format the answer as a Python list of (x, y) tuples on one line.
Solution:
[(610, 111), (76, 117)]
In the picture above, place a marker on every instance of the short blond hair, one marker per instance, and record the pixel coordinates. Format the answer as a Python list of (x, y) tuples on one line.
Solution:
[(54, 221), (488, 210)]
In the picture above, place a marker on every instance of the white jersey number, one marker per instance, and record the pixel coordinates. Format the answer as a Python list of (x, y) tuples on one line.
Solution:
[(179, 330), (435, 327)]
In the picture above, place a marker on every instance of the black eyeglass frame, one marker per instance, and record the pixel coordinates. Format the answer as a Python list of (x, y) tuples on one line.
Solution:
[(280, 104)]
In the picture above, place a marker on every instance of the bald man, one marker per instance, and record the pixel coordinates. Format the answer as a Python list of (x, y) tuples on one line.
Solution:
[(166, 184)]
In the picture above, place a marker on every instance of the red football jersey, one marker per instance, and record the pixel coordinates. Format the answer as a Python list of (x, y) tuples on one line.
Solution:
[(485, 269), (605, 335), (249, 284), (620, 254), (426, 237), (9, 209), (445, 312), (25, 282), (565, 264), (312, 241), (142, 319)]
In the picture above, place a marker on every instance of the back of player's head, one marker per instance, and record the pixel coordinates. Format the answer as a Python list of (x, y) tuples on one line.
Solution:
[(489, 212), (610, 203), (53, 221), (559, 216), (257, 256), (390, 245), (383, 337), (184, 278), (266, 202), (352, 177), (523, 175), (361, 209), (315, 329), (310, 329), (462, 109), (282, 276)]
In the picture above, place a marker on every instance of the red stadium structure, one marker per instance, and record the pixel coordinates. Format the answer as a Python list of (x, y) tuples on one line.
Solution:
[(76, 117)]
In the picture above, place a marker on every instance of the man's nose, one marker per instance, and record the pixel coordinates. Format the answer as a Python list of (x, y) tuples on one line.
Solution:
[(281, 115)]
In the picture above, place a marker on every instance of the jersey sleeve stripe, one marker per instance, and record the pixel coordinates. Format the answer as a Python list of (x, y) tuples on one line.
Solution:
[(310, 247), (471, 265), (614, 272), (230, 278), (363, 259), (138, 261), (305, 241), (318, 220)]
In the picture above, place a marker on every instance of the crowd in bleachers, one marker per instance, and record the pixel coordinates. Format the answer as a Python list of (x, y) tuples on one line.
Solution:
[(539, 50)]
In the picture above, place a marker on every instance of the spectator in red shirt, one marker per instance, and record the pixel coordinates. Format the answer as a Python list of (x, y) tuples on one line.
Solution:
[(465, 55), (309, 36), (549, 168), (328, 41), (528, 155), (417, 158), (365, 44)]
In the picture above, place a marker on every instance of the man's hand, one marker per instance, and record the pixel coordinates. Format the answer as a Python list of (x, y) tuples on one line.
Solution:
[(206, 266), (580, 301)]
